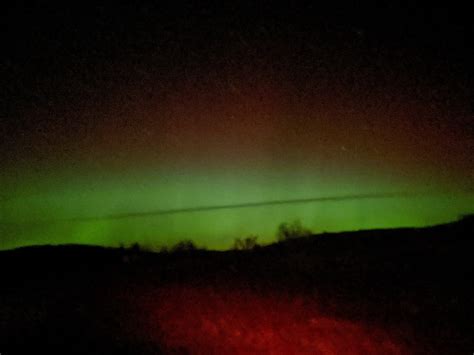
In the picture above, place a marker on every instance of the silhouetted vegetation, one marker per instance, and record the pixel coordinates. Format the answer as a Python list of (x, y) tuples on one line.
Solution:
[(292, 230), (184, 246), (247, 243)]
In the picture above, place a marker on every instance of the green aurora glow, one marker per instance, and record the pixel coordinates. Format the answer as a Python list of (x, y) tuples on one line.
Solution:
[(122, 194)]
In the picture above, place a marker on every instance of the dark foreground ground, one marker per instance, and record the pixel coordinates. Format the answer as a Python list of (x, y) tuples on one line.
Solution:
[(374, 292)]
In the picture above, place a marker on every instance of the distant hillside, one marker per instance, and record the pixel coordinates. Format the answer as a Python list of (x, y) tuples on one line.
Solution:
[(414, 285)]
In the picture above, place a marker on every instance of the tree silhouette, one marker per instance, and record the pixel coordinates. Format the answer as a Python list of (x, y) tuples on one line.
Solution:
[(248, 243), (291, 230)]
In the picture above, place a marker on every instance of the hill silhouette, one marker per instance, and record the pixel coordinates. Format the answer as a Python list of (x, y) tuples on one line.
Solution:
[(394, 291)]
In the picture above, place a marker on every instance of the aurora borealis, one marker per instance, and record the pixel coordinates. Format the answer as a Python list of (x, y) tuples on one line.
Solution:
[(129, 110)]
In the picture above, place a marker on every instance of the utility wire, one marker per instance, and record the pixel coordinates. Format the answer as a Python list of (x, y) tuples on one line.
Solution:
[(196, 209)]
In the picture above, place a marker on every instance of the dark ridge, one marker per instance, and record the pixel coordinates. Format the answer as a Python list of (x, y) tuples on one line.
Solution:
[(415, 281)]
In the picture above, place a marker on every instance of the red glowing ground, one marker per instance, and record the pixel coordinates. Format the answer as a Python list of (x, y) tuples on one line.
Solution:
[(203, 320)]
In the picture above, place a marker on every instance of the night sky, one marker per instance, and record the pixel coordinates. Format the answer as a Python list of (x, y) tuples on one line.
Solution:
[(110, 114)]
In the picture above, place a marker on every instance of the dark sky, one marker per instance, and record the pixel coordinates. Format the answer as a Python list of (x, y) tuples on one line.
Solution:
[(83, 59)]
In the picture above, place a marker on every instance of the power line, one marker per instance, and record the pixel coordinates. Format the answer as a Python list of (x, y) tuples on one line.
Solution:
[(197, 209)]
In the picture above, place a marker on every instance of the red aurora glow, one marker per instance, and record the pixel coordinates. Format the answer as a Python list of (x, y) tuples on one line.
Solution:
[(210, 321)]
